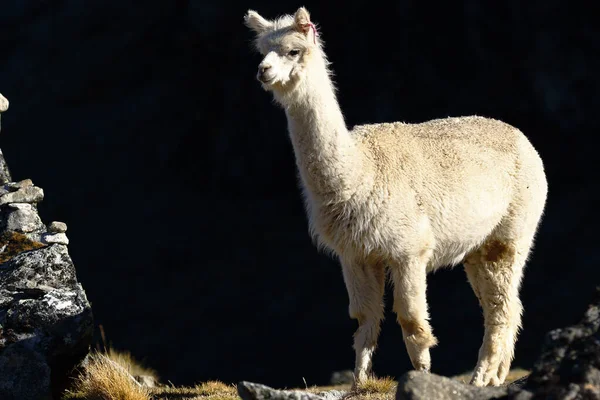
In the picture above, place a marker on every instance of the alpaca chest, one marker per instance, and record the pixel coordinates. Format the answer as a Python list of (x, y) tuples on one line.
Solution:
[(344, 226)]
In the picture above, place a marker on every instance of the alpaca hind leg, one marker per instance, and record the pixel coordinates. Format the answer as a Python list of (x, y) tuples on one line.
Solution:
[(365, 282), (495, 272), (473, 276), (511, 339), (410, 305)]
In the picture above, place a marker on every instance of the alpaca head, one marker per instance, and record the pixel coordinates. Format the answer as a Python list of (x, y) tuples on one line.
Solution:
[(288, 44)]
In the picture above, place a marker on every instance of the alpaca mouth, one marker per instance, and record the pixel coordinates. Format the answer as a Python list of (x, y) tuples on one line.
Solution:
[(266, 81)]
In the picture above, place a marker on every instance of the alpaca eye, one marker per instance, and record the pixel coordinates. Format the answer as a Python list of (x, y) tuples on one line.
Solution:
[(294, 53)]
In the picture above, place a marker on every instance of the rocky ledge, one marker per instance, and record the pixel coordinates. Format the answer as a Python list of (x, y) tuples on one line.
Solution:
[(568, 368), (46, 322)]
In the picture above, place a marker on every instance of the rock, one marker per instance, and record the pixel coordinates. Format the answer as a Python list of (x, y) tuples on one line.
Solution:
[(256, 391), (3, 103), (14, 186), (333, 394), (27, 194), (46, 323), (569, 366), (416, 385), (20, 217), (518, 383), (59, 238), (57, 227)]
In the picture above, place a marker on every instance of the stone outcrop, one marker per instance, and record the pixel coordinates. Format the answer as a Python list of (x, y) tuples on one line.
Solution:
[(569, 366), (46, 321)]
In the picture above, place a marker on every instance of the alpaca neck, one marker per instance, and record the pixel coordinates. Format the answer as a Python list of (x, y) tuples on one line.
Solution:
[(327, 156)]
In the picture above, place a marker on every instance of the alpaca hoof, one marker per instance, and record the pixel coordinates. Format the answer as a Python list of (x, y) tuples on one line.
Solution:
[(488, 379), (359, 378)]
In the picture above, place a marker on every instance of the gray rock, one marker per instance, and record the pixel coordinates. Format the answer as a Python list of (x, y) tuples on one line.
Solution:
[(14, 186), (59, 238), (27, 194), (46, 323), (256, 391), (416, 385), (569, 366), (333, 394), (57, 227), (3, 103), (20, 217)]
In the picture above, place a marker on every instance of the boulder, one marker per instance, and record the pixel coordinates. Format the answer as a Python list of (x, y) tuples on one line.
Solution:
[(569, 365), (28, 194), (20, 217), (60, 238), (46, 323)]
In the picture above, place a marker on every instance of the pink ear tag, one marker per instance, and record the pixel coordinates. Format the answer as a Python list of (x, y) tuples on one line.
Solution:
[(315, 33)]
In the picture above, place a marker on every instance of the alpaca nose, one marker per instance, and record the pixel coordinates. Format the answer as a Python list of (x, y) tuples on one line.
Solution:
[(263, 68), (262, 72)]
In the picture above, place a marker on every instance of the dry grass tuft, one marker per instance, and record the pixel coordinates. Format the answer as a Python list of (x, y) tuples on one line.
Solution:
[(375, 389), (103, 379), (126, 360), (211, 390)]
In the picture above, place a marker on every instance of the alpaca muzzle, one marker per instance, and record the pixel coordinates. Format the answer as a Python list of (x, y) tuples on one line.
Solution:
[(265, 73)]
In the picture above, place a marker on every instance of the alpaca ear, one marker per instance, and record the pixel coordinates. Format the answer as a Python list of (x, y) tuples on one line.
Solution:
[(302, 22), (254, 21)]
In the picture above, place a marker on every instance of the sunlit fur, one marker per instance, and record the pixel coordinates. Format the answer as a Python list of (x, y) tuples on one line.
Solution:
[(407, 199)]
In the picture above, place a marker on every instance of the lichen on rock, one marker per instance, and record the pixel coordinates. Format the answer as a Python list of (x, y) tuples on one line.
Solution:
[(13, 243)]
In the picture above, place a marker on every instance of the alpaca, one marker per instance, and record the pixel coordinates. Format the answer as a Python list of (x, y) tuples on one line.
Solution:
[(408, 199)]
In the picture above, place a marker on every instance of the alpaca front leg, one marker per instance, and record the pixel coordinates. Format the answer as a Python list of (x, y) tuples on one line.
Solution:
[(410, 305), (365, 283)]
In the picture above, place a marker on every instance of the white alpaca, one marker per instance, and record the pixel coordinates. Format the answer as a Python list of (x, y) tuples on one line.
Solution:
[(408, 198)]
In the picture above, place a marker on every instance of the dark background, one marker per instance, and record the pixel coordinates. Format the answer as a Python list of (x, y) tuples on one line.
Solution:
[(144, 124)]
